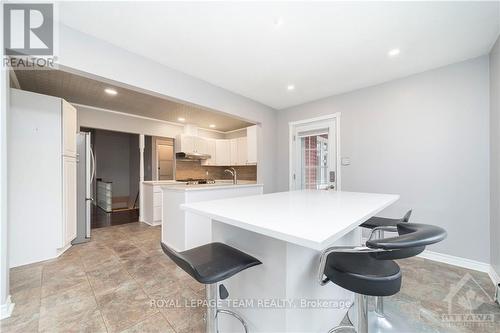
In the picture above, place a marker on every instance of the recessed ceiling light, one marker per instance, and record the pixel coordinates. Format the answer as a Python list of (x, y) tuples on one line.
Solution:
[(110, 91), (181, 119), (290, 87), (278, 22), (211, 126), (394, 53)]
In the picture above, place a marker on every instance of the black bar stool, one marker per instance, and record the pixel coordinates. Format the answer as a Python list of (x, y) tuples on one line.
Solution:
[(377, 224), (210, 264), (370, 270)]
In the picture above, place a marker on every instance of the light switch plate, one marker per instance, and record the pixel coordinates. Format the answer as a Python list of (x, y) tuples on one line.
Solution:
[(345, 161)]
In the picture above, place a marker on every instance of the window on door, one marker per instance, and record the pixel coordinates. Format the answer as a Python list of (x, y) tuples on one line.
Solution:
[(313, 162)]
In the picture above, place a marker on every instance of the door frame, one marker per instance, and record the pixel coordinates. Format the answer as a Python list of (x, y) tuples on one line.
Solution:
[(291, 162)]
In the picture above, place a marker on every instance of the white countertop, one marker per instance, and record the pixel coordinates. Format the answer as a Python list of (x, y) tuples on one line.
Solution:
[(207, 187), (310, 218), (161, 182)]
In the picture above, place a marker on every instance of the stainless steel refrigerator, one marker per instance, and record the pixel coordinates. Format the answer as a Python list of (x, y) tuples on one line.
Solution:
[(85, 177)]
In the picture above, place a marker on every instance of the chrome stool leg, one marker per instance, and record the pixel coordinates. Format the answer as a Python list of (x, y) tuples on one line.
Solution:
[(212, 315), (360, 326), (342, 329), (235, 315), (392, 321)]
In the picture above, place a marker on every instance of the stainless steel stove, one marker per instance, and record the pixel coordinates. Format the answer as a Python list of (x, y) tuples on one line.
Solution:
[(194, 181)]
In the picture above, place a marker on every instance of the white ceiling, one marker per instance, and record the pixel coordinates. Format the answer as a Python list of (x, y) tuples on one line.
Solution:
[(81, 90), (323, 48)]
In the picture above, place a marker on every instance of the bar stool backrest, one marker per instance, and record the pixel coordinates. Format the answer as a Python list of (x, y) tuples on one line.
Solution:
[(411, 235)]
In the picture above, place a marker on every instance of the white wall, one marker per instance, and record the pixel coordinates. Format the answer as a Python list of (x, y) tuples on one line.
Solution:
[(107, 62), (4, 104), (495, 156), (424, 137)]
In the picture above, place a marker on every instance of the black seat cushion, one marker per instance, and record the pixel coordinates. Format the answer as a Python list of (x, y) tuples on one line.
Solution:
[(363, 274), (211, 263), (376, 221)]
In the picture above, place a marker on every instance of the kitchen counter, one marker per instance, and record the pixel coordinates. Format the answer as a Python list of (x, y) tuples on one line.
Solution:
[(177, 224), (208, 187), (160, 182), (310, 218), (286, 231)]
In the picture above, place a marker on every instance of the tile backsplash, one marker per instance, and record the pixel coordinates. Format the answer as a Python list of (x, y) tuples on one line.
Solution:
[(194, 169)]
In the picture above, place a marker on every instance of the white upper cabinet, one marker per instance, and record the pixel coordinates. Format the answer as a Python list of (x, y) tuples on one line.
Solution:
[(190, 144), (242, 156), (252, 145), (234, 151), (200, 145), (212, 151), (69, 129), (223, 152)]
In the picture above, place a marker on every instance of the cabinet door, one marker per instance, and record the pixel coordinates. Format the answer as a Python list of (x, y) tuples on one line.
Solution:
[(69, 129), (252, 145), (211, 150), (69, 200), (187, 144), (234, 152), (242, 151), (222, 152), (200, 145)]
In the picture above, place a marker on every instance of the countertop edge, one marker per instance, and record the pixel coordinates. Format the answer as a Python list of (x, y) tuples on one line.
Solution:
[(183, 188), (262, 231)]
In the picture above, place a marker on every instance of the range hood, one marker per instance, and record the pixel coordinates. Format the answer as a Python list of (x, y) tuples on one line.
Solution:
[(192, 156)]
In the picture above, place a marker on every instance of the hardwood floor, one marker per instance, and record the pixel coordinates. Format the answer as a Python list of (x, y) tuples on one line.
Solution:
[(102, 219)]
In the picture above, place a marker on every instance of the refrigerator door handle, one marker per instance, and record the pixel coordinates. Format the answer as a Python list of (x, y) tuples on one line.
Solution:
[(92, 177)]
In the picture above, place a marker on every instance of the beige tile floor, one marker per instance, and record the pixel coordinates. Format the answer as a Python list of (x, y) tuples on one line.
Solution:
[(109, 284)]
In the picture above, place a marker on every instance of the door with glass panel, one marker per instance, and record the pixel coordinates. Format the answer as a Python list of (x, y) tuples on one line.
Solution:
[(314, 155)]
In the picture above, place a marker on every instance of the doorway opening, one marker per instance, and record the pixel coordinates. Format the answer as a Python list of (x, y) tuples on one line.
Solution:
[(115, 189), (315, 153)]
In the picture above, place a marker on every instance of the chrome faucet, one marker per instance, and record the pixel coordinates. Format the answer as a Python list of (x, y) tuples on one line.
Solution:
[(233, 173)]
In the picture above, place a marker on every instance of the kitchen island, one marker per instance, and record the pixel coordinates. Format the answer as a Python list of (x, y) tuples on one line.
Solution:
[(178, 224), (287, 232)]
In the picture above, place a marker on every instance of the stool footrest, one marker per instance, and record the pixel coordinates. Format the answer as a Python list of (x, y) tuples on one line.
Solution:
[(235, 315)]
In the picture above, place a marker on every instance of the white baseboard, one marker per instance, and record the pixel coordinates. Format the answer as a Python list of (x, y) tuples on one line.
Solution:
[(6, 308), (151, 224), (456, 261), (494, 276)]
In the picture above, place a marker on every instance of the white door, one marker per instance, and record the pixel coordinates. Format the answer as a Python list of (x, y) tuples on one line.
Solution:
[(165, 161), (314, 149)]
